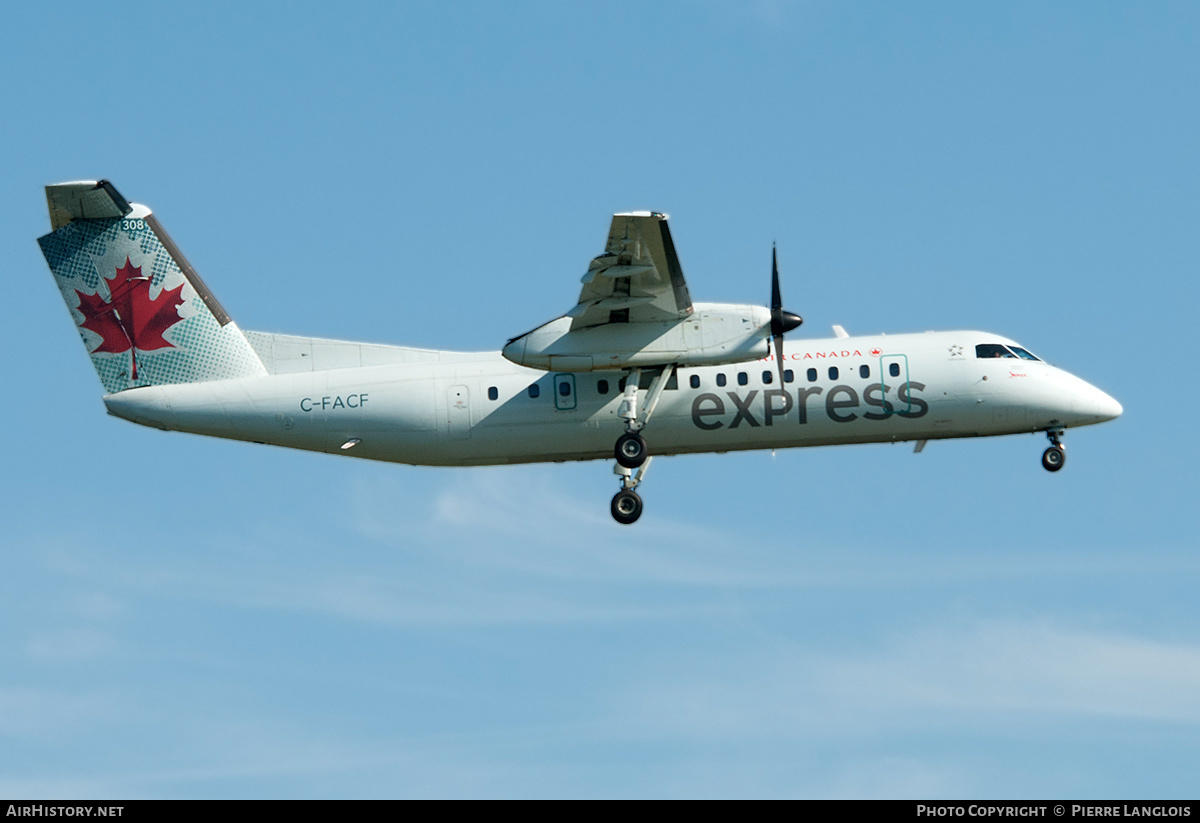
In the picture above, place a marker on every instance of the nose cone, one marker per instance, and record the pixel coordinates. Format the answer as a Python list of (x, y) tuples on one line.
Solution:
[(1094, 405)]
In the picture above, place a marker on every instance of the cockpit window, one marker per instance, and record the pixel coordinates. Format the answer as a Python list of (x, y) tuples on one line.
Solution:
[(986, 351), (1023, 354)]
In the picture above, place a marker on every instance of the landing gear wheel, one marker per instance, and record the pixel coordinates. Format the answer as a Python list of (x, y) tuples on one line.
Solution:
[(626, 507), (1054, 458), (630, 451)]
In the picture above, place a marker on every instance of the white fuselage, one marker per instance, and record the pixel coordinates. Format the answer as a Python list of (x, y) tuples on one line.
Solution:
[(444, 408)]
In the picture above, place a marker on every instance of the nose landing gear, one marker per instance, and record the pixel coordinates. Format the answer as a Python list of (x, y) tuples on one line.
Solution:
[(1055, 457)]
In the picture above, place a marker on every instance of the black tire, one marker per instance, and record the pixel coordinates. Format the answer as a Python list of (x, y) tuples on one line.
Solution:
[(626, 507), (630, 450), (1054, 458)]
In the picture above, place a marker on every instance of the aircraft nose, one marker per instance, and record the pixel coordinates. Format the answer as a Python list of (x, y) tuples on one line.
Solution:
[(1094, 404)]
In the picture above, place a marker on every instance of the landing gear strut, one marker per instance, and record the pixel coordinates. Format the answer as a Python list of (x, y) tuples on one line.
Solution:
[(631, 452), (1055, 457), (626, 505)]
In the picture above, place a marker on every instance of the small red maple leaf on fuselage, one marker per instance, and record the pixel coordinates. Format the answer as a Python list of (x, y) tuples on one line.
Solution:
[(130, 319)]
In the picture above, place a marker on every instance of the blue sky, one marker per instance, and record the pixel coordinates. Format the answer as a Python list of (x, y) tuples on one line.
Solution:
[(185, 617)]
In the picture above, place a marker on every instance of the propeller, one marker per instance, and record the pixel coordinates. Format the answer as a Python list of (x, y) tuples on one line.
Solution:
[(781, 321)]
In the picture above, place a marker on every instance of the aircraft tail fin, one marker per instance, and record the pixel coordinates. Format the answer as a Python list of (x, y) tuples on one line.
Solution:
[(145, 316)]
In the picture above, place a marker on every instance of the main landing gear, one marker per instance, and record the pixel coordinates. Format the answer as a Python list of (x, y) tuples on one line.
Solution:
[(626, 505), (1055, 457), (631, 452)]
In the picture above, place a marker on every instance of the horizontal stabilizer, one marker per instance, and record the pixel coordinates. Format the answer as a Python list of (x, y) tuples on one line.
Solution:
[(84, 200)]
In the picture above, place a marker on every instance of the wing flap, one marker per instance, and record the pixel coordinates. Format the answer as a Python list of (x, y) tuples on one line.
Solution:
[(616, 271), (638, 279), (608, 304)]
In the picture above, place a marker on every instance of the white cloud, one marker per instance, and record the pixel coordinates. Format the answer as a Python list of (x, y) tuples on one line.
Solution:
[(1029, 668), (995, 676), (771, 12), (71, 644), (29, 713)]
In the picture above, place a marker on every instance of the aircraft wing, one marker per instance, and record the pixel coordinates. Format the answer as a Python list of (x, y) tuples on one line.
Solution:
[(638, 279)]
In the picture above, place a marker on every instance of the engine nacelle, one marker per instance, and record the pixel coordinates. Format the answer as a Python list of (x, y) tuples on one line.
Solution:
[(714, 334)]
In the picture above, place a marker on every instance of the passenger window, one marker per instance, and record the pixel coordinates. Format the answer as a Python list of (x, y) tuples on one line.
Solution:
[(990, 350), (564, 388), (789, 376), (720, 379), (833, 372), (695, 381), (535, 390), (894, 369), (864, 372), (493, 393), (743, 378), (767, 378), (812, 375), (602, 386)]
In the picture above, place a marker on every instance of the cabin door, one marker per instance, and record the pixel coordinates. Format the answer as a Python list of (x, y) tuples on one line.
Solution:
[(893, 377), (564, 392)]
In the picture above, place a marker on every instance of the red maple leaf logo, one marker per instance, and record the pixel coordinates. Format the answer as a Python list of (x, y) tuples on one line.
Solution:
[(876, 352), (129, 319)]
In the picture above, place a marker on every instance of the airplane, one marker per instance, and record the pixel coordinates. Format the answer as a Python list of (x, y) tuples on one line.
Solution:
[(634, 370)]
